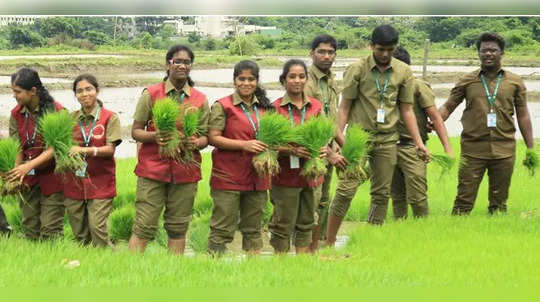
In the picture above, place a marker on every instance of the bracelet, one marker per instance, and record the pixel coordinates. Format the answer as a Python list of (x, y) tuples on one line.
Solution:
[(95, 151)]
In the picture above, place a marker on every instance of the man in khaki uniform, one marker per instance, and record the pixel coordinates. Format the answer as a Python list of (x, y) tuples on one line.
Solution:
[(492, 96), (409, 184), (376, 90), (321, 85)]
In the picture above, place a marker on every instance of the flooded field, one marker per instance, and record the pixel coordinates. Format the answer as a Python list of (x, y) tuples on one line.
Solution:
[(124, 100), (81, 56), (6, 80)]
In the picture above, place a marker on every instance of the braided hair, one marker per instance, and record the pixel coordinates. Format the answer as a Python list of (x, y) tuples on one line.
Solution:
[(28, 78)]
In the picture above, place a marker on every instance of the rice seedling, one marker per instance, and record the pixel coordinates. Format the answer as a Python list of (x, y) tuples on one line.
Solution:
[(120, 223), (445, 162), (9, 148), (314, 134), (56, 129), (531, 161), (199, 230), (275, 131), (355, 151), (166, 113), (190, 127)]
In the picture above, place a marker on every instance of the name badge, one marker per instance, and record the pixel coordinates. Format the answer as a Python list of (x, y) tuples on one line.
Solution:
[(31, 172), (82, 171), (294, 162), (492, 120), (380, 115)]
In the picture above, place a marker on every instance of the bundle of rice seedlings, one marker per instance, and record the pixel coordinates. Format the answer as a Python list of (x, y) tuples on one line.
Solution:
[(9, 148), (314, 134), (355, 151), (166, 113), (445, 162), (120, 223), (190, 126), (531, 161), (275, 131), (56, 129)]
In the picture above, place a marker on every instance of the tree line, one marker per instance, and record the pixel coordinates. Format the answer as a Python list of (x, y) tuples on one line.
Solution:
[(296, 32)]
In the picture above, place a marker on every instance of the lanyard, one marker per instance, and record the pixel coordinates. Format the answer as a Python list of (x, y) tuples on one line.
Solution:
[(29, 141), (325, 97), (491, 97), (180, 99), (302, 117), (91, 131), (248, 115), (382, 91)]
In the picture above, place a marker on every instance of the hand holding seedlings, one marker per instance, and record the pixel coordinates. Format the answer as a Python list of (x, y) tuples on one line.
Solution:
[(254, 146)]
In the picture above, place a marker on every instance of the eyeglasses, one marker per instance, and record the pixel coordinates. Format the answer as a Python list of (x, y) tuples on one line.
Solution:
[(178, 62), (323, 52), (87, 89)]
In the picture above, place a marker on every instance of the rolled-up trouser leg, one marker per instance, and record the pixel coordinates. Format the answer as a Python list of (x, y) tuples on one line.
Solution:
[(252, 205), (382, 162), (305, 220), (500, 175), (179, 208), (31, 210), (399, 194), (98, 214), (151, 198), (414, 172), (286, 203), (224, 220), (346, 189), (52, 215), (470, 175), (78, 219)]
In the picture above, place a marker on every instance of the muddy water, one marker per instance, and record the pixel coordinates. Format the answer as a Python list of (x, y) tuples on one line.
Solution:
[(82, 56), (7, 80), (124, 100)]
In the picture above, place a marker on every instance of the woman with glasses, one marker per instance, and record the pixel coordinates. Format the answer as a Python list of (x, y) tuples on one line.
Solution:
[(164, 182), (89, 191)]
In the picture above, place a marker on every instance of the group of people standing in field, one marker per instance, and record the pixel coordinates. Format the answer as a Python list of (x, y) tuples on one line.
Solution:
[(379, 92)]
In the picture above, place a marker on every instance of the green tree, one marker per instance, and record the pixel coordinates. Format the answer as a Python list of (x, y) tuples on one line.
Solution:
[(193, 37), (23, 36), (243, 46), (50, 27), (96, 37)]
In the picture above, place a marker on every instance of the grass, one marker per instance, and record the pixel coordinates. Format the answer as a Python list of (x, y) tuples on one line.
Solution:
[(440, 251)]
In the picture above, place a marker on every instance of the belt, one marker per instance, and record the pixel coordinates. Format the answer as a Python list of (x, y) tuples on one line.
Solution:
[(403, 141)]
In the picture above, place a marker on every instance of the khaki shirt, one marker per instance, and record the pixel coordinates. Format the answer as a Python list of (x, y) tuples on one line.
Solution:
[(477, 140), (143, 112), (423, 98), (324, 88), (113, 131), (218, 118), (13, 127), (359, 86)]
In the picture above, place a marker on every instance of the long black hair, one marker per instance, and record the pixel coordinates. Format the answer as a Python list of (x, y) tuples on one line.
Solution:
[(174, 49), (26, 78), (260, 93)]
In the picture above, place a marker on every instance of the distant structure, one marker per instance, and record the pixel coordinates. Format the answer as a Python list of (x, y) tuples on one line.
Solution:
[(19, 20), (218, 27)]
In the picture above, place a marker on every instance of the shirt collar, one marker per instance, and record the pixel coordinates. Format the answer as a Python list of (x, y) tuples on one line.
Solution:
[(319, 74), (286, 100), (237, 99), (82, 116), (373, 64), (169, 87), (24, 109), (480, 71)]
